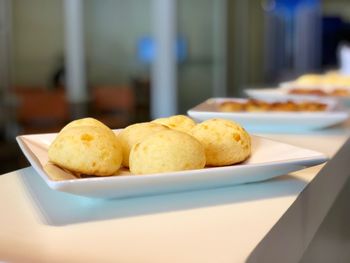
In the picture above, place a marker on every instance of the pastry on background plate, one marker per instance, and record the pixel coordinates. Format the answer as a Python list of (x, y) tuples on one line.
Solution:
[(90, 150), (135, 133), (177, 122), (225, 142), (310, 79), (167, 151)]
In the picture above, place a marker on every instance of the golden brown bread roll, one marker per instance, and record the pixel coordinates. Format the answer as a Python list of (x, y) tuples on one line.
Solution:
[(91, 150), (135, 133), (167, 151), (225, 142)]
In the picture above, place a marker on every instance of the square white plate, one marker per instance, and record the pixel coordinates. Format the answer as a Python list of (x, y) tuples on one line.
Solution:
[(271, 121), (269, 159)]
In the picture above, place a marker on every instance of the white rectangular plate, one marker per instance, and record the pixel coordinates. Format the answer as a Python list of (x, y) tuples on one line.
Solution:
[(282, 93), (270, 121), (269, 159)]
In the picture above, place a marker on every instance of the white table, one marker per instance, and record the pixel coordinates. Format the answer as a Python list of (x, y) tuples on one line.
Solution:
[(272, 221)]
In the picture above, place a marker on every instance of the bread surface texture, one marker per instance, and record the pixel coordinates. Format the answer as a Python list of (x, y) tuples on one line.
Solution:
[(177, 122), (167, 151), (136, 133)]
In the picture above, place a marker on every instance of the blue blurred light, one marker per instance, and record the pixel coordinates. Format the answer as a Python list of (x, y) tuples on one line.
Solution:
[(146, 49), (292, 5)]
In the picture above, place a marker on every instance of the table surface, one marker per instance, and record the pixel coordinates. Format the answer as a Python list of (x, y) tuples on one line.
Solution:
[(260, 222)]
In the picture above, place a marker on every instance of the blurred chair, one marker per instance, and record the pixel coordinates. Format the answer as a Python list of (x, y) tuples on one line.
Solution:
[(8, 121), (113, 105), (41, 110), (142, 91)]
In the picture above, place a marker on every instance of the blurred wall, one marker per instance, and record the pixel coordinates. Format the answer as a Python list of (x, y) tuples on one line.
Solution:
[(112, 29), (37, 40), (195, 75), (337, 7), (245, 45)]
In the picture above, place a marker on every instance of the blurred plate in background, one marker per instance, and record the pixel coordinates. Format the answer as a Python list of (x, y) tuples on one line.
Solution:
[(271, 120), (284, 93)]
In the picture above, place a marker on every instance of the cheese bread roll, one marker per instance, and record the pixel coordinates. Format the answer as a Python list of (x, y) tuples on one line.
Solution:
[(135, 133), (91, 150), (225, 142), (167, 151)]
